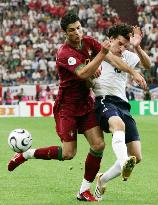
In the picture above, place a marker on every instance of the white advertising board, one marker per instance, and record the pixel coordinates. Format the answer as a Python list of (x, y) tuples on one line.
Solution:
[(36, 109), (28, 109), (9, 111)]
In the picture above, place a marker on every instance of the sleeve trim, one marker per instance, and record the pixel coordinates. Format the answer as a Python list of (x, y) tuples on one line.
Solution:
[(79, 67)]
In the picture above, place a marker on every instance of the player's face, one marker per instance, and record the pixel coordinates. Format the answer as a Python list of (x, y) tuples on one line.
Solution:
[(118, 45), (74, 32)]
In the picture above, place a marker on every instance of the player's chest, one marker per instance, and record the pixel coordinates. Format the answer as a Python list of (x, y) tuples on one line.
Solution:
[(84, 55)]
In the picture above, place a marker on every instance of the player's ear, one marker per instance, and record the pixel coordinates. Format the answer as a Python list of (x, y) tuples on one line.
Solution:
[(65, 35), (110, 39), (64, 32)]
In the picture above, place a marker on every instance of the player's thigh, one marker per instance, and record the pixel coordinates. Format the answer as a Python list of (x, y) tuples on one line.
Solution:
[(89, 126), (134, 149), (95, 138), (87, 121), (108, 116), (69, 149), (131, 130), (116, 123), (66, 127), (132, 137)]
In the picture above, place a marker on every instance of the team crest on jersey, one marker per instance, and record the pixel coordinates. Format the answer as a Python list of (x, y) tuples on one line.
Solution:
[(90, 52), (71, 61)]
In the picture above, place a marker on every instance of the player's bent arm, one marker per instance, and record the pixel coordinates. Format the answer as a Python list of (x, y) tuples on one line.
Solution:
[(138, 78), (144, 58), (118, 63), (86, 71)]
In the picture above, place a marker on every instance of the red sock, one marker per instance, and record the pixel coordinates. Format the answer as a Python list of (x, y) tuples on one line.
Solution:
[(92, 166), (47, 153)]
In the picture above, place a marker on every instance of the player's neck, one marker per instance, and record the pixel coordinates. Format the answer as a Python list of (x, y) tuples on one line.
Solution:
[(73, 44)]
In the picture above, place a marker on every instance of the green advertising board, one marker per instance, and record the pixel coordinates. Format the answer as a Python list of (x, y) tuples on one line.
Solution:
[(144, 107)]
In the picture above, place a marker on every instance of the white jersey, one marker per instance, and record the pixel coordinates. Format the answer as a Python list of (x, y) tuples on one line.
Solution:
[(112, 81)]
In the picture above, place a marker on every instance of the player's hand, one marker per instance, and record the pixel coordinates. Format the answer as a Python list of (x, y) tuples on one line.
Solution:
[(105, 46), (97, 73), (89, 81), (138, 78), (136, 37)]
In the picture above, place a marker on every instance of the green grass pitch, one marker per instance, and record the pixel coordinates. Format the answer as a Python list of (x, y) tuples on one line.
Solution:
[(39, 182)]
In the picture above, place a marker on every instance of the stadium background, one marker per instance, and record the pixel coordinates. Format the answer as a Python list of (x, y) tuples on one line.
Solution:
[(29, 37)]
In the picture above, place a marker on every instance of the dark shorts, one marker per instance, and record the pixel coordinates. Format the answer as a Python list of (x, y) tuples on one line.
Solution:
[(109, 106), (67, 126)]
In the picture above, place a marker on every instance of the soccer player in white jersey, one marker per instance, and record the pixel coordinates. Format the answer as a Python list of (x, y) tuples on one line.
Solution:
[(112, 107)]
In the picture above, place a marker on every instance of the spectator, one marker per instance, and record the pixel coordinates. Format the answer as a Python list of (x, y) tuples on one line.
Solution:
[(7, 97), (30, 31), (130, 95), (147, 95), (21, 95)]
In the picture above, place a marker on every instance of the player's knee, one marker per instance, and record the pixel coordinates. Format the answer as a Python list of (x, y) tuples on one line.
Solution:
[(120, 125), (99, 146), (115, 124), (68, 155)]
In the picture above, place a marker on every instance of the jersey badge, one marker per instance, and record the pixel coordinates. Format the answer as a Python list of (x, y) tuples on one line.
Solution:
[(71, 61)]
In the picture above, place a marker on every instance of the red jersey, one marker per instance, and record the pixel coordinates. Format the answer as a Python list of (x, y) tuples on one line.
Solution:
[(73, 95)]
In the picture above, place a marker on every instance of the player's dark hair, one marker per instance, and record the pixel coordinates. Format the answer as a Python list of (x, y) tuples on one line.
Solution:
[(68, 19), (120, 30)]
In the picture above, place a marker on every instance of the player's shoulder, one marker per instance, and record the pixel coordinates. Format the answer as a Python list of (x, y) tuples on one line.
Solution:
[(89, 39), (128, 53), (92, 43), (131, 58), (63, 51), (62, 48)]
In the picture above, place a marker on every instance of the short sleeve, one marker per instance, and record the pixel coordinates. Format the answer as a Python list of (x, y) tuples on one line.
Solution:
[(69, 61), (132, 59)]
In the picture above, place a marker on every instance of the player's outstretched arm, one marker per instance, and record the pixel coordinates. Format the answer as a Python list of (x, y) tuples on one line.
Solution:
[(138, 78), (135, 40), (88, 70)]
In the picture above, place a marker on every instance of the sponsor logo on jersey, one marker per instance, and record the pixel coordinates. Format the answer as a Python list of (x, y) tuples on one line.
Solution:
[(105, 109)]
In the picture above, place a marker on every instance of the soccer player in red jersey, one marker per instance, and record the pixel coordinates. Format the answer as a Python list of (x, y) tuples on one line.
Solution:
[(74, 105)]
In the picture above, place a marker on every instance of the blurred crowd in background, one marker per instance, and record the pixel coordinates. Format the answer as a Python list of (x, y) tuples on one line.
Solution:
[(30, 36), (147, 11)]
